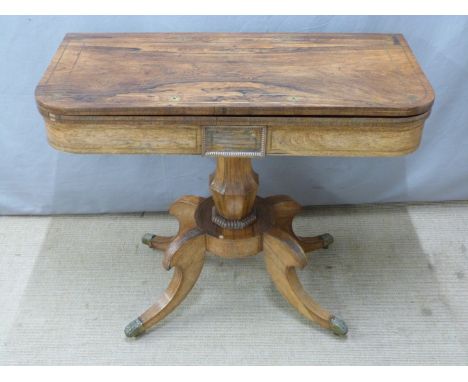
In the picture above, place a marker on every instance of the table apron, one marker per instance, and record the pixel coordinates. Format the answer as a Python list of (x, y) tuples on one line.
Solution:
[(293, 136)]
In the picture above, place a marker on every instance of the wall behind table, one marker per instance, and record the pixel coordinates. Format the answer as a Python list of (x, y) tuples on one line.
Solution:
[(36, 179)]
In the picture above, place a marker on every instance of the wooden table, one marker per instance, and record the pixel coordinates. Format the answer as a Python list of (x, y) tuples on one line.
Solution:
[(235, 97)]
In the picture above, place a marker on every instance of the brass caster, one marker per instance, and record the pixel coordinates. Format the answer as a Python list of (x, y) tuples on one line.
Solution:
[(338, 326), (134, 328), (146, 239), (327, 240)]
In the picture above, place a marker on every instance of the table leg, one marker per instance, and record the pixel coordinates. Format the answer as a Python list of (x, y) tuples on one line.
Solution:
[(316, 242), (187, 257), (185, 252), (283, 254), (157, 241), (284, 209)]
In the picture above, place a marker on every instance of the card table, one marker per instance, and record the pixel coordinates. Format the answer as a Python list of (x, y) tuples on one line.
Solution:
[(234, 97)]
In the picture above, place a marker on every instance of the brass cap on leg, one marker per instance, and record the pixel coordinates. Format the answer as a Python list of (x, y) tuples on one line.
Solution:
[(134, 328), (338, 326), (327, 239), (146, 239)]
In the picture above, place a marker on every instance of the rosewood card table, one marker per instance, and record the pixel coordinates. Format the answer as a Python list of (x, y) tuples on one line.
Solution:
[(235, 97)]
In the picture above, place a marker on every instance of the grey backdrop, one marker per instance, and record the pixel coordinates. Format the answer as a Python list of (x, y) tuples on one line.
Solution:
[(35, 179)]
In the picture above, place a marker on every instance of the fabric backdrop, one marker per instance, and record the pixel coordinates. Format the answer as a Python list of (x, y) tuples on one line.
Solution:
[(36, 179)]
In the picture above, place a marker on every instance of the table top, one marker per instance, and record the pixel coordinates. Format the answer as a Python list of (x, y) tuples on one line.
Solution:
[(234, 74)]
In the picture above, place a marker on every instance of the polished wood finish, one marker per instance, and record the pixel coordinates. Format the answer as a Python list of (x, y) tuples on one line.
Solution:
[(228, 95), (283, 255), (234, 187), (316, 94), (292, 136), (187, 260), (295, 74), (235, 243), (272, 232), (185, 252)]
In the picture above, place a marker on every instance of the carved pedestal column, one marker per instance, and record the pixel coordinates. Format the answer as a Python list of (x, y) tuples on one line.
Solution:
[(234, 187)]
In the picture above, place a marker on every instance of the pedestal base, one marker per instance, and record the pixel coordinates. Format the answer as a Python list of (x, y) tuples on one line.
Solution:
[(271, 232)]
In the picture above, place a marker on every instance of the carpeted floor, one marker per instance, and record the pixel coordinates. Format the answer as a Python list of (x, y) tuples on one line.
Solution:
[(398, 275)]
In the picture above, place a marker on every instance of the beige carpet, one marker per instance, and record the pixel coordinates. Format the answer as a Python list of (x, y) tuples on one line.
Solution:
[(397, 274)]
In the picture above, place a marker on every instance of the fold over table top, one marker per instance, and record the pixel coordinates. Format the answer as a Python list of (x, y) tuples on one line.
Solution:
[(235, 94), (288, 74)]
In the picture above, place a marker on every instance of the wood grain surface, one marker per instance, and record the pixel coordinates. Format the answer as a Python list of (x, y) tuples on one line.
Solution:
[(288, 74), (308, 94), (271, 232), (234, 186), (293, 136)]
